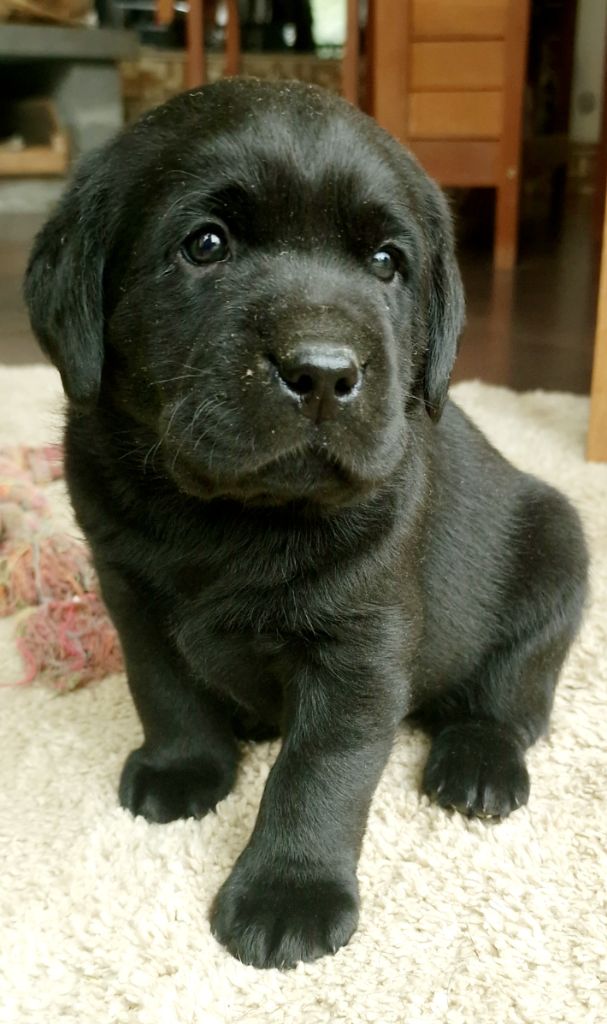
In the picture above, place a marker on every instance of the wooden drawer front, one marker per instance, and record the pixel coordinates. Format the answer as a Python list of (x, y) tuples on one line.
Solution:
[(459, 164), (457, 66), (455, 115), (459, 19)]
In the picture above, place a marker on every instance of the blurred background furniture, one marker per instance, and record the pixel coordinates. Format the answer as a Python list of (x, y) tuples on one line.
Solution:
[(62, 93), (527, 328), (201, 13), (198, 13), (446, 77)]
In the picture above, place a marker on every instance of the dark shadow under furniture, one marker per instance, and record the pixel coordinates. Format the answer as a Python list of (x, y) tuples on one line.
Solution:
[(74, 71)]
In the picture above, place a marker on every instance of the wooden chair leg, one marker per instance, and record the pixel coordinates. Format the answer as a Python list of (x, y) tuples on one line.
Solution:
[(232, 66), (164, 13), (194, 24), (506, 212), (196, 64)]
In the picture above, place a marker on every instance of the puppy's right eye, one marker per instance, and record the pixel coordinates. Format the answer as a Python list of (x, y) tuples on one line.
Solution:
[(207, 245), (383, 264)]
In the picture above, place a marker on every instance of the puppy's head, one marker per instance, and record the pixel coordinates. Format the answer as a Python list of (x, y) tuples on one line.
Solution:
[(263, 281)]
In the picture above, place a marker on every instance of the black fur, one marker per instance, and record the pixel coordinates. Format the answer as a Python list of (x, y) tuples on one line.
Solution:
[(315, 576)]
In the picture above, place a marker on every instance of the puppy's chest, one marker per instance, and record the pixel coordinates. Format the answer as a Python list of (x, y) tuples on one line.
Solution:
[(268, 602), (240, 638), (228, 600), (250, 586)]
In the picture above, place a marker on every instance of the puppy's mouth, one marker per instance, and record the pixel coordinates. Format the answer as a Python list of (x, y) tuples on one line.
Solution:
[(310, 474)]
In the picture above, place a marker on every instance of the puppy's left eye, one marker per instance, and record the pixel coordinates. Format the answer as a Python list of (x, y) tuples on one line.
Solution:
[(384, 264), (207, 245)]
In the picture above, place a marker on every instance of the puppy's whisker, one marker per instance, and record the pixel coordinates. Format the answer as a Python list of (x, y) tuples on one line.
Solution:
[(128, 453), (153, 451), (176, 409), (176, 455), (413, 398), (208, 405), (182, 376), (204, 436)]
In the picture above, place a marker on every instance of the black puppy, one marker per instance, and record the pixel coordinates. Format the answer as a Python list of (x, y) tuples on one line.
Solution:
[(252, 298)]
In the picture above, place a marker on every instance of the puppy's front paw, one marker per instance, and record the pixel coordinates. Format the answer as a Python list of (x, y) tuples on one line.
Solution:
[(477, 768), (278, 918), (163, 790)]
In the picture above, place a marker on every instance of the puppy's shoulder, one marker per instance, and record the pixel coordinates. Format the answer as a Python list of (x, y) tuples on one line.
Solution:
[(460, 447), (478, 486)]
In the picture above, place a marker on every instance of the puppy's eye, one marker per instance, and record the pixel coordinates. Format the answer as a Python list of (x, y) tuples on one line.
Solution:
[(207, 245), (384, 264)]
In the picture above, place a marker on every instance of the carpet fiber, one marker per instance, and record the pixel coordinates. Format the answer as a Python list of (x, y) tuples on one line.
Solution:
[(105, 918)]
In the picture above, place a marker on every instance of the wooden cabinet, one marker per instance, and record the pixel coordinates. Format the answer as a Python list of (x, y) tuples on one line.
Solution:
[(446, 77)]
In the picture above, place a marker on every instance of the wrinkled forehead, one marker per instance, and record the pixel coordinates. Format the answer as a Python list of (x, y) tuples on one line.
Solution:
[(268, 174)]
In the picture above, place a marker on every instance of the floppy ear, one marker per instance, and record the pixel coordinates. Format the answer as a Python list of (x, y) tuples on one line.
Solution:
[(445, 305), (63, 284)]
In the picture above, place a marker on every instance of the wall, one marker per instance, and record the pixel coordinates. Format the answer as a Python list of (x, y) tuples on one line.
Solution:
[(588, 71)]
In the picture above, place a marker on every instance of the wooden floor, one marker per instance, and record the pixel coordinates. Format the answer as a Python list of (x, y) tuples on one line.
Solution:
[(534, 328), (530, 329)]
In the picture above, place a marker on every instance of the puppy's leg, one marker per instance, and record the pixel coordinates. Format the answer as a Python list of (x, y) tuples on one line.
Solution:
[(187, 763), (293, 893), (482, 727)]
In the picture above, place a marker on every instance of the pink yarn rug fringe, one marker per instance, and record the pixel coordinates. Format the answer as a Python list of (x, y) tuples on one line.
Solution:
[(67, 640), (68, 643)]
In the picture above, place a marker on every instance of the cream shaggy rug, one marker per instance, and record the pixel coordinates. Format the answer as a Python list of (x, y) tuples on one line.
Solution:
[(105, 918)]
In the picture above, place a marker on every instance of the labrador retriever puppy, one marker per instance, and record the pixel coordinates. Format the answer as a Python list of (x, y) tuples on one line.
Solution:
[(252, 298)]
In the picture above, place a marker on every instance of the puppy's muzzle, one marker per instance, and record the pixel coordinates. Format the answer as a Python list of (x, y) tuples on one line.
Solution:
[(321, 379)]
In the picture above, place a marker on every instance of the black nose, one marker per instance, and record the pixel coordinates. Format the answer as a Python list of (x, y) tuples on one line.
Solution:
[(323, 378)]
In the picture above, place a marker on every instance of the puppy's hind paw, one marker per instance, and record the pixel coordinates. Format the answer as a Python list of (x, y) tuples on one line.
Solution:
[(478, 768)]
